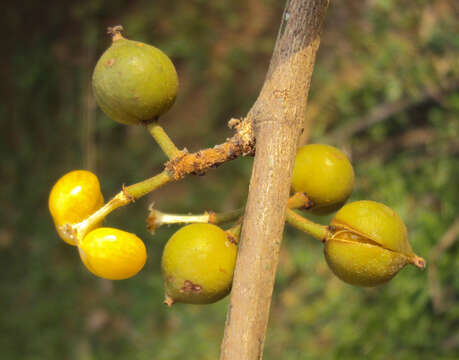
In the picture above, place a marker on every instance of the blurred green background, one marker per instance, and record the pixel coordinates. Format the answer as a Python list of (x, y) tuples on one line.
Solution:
[(385, 90)]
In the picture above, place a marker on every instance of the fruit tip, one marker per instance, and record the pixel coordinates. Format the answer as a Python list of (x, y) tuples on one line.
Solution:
[(419, 262), (115, 32)]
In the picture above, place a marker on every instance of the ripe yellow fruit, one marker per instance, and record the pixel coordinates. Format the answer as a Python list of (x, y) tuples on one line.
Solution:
[(74, 197), (368, 244), (325, 175), (112, 253), (134, 82), (198, 265)]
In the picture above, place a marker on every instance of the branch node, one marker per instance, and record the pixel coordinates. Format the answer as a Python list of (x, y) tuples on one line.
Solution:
[(128, 196)]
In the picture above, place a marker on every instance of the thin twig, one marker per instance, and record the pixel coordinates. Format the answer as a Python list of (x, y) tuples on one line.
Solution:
[(386, 111), (163, 140), (241, 144), (157, 218)]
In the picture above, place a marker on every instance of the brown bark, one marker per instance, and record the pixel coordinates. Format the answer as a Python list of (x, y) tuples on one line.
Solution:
[(278, 115), (242, 143)]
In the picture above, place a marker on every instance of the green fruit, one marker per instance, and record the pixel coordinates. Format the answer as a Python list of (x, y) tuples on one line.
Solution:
[(134, 82), (325, 175), (198, 264), (368, 244)]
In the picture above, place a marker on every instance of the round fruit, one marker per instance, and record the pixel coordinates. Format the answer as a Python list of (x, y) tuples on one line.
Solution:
[(368, 244), (134, 82), (325, 175), (74, 197), (198, 264), (112, 253)]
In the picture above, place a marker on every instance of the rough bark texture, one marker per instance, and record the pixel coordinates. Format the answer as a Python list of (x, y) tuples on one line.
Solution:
[(278, 116), (241, 144)]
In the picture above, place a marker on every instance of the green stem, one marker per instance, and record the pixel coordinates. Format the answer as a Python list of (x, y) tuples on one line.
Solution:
[(158, 218), (299, 201), (126, 196), (218, 218), (163, 140), (315, 230), (146, 186)]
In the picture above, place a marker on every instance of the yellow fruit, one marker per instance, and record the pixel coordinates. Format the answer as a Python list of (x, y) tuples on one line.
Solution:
[(198, 264), (325, 175), (112, 253), (74, 197), (368, 244), (134, 82)]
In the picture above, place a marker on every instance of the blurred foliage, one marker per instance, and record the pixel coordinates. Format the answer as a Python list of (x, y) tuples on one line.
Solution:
[(384, 89)]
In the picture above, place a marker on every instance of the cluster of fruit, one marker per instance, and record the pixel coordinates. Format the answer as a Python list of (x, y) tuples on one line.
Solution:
[(366, 242)]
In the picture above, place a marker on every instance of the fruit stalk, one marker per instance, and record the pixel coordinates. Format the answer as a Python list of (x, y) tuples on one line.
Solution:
[(163, 140), (299, 200), (146, 186), (125, 196), (157, 218), (317, 231), (217, 218)]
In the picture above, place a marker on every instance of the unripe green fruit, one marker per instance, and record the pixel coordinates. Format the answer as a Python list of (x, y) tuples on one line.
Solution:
[(325, 175), (198, 265), (368, 244), (134, 82)]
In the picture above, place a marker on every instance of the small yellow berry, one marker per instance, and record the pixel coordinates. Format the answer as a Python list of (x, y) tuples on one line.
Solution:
[(74, 197), (368, 244), (198, 265), (112, 253), (325, 175)]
